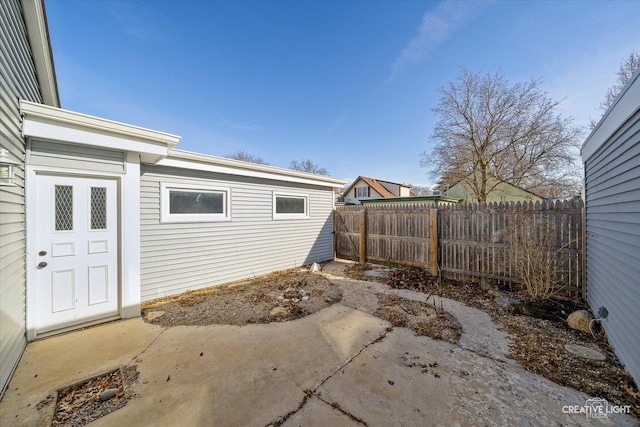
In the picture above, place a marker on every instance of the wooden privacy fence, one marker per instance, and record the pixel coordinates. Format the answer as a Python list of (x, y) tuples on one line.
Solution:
[(467, 240)]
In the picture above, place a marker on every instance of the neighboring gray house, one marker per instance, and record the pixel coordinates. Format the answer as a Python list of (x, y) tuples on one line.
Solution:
[(26, 67), (611, 155), (103, 215)]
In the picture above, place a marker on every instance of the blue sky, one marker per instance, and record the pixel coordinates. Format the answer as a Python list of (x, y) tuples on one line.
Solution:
[(348, 84)]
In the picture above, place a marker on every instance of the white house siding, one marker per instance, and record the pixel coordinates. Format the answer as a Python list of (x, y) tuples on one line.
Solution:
[(612, 193), (176, 257), (17, 80)]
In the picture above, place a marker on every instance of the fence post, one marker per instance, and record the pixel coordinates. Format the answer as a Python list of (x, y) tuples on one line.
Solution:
[(363, 236), (334, 233), (433, 241)]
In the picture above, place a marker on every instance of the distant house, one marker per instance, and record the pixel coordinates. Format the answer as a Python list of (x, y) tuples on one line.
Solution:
[(611, 156), (502, 192), (364, 188)]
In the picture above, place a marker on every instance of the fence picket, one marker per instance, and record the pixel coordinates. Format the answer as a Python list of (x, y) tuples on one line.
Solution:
[(469, 237)]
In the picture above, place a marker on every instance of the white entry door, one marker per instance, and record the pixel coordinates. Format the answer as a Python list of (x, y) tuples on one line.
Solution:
[(76, 251)]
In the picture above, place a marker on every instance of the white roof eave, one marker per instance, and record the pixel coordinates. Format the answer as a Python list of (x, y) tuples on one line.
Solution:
[(36, 22), (624, 106), (56, 124), (207, 163)]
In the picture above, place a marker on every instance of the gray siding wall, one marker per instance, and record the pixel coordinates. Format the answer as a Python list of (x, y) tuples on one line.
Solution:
[(612, 190), (17, 80), (43, 153), (176, 257)]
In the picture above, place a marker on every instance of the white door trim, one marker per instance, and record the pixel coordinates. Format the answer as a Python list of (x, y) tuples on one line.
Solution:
[(128, 236)]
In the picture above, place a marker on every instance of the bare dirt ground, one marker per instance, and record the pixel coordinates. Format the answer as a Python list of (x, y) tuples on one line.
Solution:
[(538, 344), (422, 318), (275, 297)]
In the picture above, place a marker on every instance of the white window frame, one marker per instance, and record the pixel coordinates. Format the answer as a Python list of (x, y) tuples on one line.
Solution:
[(304, 215), (167, 217), (362, 190)]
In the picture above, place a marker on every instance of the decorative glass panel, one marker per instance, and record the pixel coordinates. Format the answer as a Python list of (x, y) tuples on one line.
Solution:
[(195, 202), (290, 205), (98, 208), (64, 207)]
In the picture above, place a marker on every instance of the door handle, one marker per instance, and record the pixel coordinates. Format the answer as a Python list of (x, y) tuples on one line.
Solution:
[(42, 265)]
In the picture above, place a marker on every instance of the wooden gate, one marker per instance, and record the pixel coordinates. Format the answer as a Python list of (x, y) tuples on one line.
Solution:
[(346, 233)]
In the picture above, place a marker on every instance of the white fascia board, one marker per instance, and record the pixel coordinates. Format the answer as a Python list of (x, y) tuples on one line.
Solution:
[(626, 105), (36, 21), (42, 121), (247, 169)]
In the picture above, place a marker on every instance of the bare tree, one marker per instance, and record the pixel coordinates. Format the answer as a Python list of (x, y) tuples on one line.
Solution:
[(421, 190), (246, 157), (628, 66), (307, 166), (491, 131)]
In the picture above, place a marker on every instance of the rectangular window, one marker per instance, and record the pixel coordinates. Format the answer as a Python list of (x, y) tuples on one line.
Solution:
[(290, 206), (362, 191), (193, 203)]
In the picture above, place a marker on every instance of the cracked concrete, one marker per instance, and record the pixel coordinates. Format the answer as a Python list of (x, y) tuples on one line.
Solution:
[(341, 366)]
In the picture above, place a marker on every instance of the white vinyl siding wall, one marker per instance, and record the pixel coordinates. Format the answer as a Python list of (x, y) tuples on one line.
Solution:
[(612, 193), (17, 80), (176, 257)]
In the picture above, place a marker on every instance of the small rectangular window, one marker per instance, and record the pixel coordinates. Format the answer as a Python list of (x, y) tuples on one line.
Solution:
[(192, 203), (290, 206)]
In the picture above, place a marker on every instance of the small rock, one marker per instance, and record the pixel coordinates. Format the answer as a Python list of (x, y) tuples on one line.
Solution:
[(280, 298), (506, 302), (295, 300), (585, 352), (109, 394), (154, 315), (290, 293), (580, 320), (278, 311), (286, 300), (305, 298)]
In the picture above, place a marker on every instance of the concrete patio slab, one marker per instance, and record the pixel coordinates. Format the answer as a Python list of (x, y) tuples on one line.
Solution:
[(317, 413), (408, 380), (59, 361), (341, 366)]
